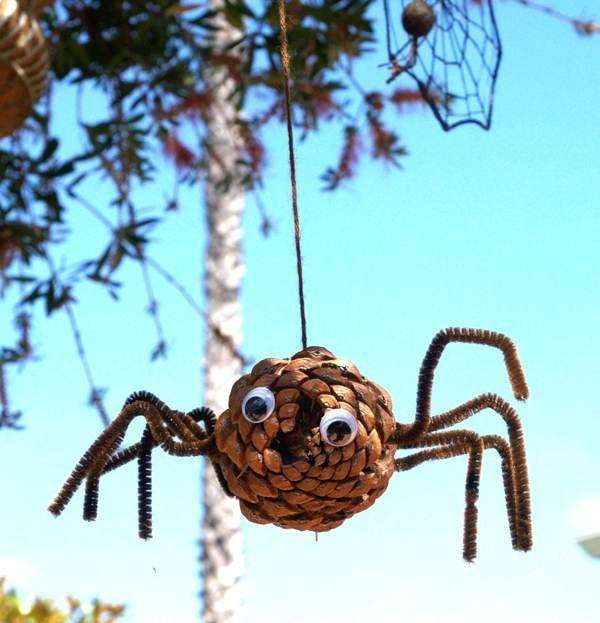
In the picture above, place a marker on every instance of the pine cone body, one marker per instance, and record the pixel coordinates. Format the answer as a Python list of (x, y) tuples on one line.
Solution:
[(24, 65), (281, 470)]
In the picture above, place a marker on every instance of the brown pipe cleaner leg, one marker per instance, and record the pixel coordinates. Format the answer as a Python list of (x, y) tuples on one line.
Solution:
[(510, 491), (458, 448), (451, 444), (134, 451), (78, 474), (92, 484), (94, 460), (185, 430), (145, 486), (191, 420), (432, 358), (125, 456), (517, 451), (144, 457)]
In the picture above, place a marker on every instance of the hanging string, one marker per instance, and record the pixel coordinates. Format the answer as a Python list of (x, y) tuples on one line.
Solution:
[(285, 61)]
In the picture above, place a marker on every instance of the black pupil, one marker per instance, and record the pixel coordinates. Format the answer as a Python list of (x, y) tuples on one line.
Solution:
[(256, 408), (338, 431)]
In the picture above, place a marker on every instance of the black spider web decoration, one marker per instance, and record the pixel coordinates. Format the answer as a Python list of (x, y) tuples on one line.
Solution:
[(456, 64)]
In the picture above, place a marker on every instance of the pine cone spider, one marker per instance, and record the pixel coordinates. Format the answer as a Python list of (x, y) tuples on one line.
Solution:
[(308, 441)]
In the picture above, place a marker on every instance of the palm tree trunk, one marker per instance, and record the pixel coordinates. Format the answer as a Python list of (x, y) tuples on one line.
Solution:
[(221, 538)]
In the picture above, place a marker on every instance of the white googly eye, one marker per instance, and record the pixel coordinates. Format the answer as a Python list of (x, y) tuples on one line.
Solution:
[(258, 404), (338, 427)]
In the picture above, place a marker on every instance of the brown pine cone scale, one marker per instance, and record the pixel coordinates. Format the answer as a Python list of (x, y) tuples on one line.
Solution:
[(281, 469)]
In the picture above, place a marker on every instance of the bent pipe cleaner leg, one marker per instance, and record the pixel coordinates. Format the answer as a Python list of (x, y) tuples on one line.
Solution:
[(510, 492), (455, 447), (186, 431), (456, 443), (432, 357), (79, 472), (90, 501), (132, 452), (141, 452), (93, 461), (517, 452), (203, 414), (508, 475)]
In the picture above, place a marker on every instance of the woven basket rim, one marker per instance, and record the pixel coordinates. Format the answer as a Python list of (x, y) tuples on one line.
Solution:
[(24, 54)]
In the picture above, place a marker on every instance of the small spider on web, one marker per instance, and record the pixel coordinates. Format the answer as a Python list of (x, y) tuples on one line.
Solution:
[(452, 49)]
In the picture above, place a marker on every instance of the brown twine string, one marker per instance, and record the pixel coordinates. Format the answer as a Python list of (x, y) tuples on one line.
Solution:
[(285, 61)]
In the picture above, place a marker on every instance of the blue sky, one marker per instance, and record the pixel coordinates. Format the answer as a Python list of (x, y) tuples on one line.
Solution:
[(497, 230)]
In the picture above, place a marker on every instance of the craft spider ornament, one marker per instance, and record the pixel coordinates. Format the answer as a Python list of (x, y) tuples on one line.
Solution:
[(308, 442)]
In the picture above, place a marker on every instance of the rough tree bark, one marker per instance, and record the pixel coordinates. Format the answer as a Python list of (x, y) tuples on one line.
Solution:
[(221, 538)]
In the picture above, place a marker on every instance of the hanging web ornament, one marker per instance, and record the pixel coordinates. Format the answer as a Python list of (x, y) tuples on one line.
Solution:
[(452, 49), (308, 441)]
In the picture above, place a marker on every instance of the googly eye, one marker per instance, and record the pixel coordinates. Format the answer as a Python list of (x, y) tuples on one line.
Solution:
[(258, 405), (338, 427)]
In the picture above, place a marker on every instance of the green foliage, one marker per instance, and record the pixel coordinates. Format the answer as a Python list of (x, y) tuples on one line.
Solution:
[(147, 76), (143, 77), (44, 611)]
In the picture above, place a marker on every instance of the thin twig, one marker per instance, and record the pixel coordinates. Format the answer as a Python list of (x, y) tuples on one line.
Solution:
[(91, 208), (177, 285), (169, 278), (583, 27), (266, 226), (226, 339), (96, 394), (160, 349)]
